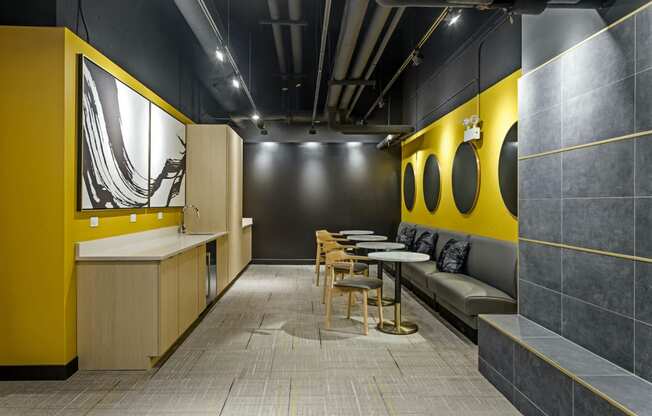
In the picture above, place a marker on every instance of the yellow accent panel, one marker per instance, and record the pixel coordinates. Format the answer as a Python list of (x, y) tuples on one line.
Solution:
[(490, 217), (38, 115)]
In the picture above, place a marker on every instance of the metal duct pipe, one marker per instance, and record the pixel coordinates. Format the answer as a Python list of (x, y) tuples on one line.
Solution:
[(293, 118), (366, 47), (513, 6), (398, 129), (322, 50), (351, 24), (379, 53), (408, 59), (294, 7), (275, 14)]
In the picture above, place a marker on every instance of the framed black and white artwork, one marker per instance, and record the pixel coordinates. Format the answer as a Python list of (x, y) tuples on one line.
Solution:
[(167, 160), (113, 142)]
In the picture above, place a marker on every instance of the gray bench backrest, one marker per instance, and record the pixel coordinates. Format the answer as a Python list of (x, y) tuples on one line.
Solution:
[(493, 262)]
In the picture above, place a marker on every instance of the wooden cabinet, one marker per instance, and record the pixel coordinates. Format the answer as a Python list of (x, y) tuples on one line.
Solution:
[(129, 313), (214, 184)]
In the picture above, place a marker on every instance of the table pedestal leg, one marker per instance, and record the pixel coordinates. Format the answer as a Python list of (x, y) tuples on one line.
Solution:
[(386, 301), (398, 326)]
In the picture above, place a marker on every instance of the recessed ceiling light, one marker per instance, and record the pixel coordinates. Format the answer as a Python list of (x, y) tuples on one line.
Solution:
[(255, 117), (235, 82), (219, 55)]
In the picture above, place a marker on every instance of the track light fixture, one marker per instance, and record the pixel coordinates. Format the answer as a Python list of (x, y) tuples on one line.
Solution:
[(263, 132), (219, 54), (255, 117), (417, 58), (235, 82), (455, 18), (381, 102), (312, 131)]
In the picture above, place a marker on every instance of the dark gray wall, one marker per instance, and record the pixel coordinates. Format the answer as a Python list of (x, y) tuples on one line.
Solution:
[(594, 197), (459, 61), (293, 189)]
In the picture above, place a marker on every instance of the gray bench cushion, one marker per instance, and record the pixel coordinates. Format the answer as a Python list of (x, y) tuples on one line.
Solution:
[(417, 273), (493, 262), (361, 283), (472, 296)]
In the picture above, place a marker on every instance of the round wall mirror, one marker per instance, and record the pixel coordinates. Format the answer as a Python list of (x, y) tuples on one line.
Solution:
[(431, 183), (408, 186), (508, 170), (466, 177)]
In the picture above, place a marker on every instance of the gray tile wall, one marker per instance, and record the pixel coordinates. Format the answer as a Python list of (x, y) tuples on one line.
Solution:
[(597, 197)]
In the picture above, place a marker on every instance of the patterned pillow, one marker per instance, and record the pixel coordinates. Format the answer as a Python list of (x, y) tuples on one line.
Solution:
[(453, 256), (406, 236), (425, 243)]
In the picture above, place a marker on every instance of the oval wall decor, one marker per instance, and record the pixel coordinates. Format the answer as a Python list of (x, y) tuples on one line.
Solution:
[(408, 187), (431, 183), (508, 170), (466, 177)]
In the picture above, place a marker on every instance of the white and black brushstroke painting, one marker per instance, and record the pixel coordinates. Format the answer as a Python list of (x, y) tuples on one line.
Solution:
[(167, 160), (114, 142)]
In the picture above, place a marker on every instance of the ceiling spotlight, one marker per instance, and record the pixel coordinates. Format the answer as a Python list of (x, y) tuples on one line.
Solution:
[(219, 55), (455, 18), (235, 82), (284, 89), (312, 131), (263, 132), (381, 102), (255, 117), (417, 58), (298, 85)]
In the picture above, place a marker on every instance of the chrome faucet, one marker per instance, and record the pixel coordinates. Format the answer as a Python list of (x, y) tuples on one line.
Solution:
[(182, 218)]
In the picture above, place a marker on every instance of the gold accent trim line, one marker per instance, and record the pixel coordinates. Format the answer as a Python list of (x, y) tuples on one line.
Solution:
[(589, 250), (582, 146), (565, 371), (616, 23)]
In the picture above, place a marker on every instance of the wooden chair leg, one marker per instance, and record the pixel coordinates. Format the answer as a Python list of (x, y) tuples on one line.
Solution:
[(317, 263), (364, 312), (379, 296), (329, 299), (348, 306)]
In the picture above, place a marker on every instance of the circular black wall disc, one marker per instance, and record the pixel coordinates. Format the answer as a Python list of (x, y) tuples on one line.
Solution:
[(431, 183), (508, 170), (466, 177), (408, 187)]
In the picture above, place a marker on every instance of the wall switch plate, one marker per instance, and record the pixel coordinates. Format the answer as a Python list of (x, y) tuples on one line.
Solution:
[(159, 215), (132, 218), (95, 221)]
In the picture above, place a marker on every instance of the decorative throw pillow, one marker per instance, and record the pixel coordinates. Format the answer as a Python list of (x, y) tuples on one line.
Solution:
[(406, 236), (453, 256), (425, 243)]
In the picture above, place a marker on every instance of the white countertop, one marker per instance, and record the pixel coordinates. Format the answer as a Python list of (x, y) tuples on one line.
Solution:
[(399, 256), (153, 245), (247, 222)]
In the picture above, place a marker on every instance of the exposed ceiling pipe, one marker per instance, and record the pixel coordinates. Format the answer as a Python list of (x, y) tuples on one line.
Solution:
[(275, 14), (408, 59), (397, 129), (294, 7), (512, 6), (322, 50), (379, 53), (351, 23), (293, 118), (364, 51)]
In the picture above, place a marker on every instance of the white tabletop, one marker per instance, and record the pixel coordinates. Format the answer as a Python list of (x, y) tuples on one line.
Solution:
[(380, 245), (356, 232), (366, 238), (153, 245), (399, 256)]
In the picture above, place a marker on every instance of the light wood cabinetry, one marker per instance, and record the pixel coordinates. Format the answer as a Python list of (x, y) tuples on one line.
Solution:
[(129, 313), (214, 185), (222, 263)]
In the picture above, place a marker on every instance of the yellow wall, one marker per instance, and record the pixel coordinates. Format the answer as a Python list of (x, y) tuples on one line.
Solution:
[(490, 217), (38, 118)]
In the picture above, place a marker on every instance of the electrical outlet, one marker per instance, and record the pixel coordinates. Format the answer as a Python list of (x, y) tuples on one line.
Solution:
[(159, 215), (132, 218), (95, 222)]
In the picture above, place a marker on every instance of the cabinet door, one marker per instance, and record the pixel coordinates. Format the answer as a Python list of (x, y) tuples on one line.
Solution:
[(168, 305), (202, 279), (222, 262), (187, 289)]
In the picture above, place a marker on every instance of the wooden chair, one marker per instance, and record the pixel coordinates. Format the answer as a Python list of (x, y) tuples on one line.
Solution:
[(352, 266), (322, 236), (350, 286)]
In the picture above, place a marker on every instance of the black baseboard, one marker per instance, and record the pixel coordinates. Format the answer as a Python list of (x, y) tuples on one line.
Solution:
[(38, 372), (281, 262), (470, 333)]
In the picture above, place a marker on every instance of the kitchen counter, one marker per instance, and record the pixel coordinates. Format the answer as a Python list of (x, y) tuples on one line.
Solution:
[(153, 245), (247, 222)]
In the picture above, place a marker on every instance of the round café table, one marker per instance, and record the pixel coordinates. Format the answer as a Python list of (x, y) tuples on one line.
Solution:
[(356, 232), (380, 246), (366, 238), (398, 327)]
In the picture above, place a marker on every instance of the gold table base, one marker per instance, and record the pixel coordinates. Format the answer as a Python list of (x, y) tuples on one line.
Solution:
[(406, 328)]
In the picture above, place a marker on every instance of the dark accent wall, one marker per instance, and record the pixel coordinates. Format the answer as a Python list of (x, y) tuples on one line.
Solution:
[(291, 190), (459, 61), (585, 169)]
